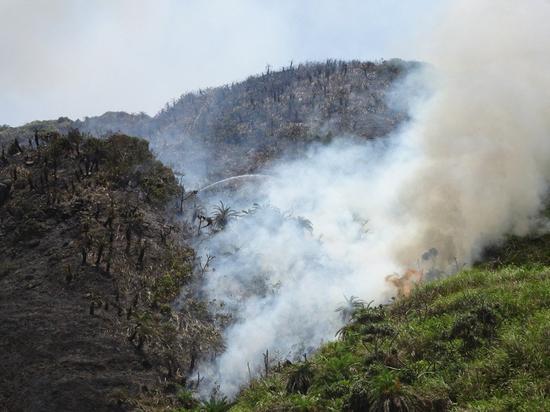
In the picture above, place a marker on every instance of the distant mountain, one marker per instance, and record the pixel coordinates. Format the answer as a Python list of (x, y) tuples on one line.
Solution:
[(244, 124)]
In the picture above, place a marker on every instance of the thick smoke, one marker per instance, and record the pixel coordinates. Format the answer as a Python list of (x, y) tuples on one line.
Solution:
[(483, 139), (472, 165), (282, 275)]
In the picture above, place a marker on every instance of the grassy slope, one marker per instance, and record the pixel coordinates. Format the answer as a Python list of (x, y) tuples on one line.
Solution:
[(479, 340)]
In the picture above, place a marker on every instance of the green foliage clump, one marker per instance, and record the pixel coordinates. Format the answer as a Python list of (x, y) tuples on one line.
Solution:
[(299, 379), (475, 326), (190, 404), (127, 161), (166, 286), (388, 394), (215, 404)]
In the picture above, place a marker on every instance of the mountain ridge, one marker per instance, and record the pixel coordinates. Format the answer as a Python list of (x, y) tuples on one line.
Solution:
[(245, 124)]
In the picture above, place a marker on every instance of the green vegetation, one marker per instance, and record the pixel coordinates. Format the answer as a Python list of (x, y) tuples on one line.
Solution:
[(188, 403), (479, 340), (519, 251)]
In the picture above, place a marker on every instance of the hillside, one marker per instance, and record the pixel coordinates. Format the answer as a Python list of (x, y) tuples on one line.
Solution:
[(236, 128), (92, 261), (103, 304), (89, 322), (475, 341), (95, 253)]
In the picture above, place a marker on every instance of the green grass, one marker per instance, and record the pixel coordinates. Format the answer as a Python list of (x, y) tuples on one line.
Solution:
[(478, 340)]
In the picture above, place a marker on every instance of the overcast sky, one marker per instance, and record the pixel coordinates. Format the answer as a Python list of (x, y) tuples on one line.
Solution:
[(84, 57)]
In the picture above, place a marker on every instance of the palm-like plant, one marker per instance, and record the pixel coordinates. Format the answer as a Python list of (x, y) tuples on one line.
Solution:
[(350, 306), (215, 404), (222, 215), (387, 394)]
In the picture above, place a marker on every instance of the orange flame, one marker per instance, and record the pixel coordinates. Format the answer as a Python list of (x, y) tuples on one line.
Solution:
[(405, 283)]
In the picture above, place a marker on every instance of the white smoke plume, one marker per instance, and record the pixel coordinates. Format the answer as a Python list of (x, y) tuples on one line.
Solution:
[(471, 166)]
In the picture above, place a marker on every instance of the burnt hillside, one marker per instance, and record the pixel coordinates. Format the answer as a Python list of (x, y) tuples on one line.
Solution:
[(306, 100), (245, 124), (92, 261)]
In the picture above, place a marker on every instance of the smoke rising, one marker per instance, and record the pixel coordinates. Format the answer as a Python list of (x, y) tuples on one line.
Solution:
[(282, 277), (471, 166), (483, 137)]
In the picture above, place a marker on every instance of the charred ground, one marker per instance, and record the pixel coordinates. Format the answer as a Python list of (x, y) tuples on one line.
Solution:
[(91, 263)]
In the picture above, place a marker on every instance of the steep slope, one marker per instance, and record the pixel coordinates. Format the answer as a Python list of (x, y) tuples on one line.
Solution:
[(91, 263), (475, 341), (92, 260)]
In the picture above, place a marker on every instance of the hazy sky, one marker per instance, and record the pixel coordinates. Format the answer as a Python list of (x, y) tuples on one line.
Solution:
[(84, 57)]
